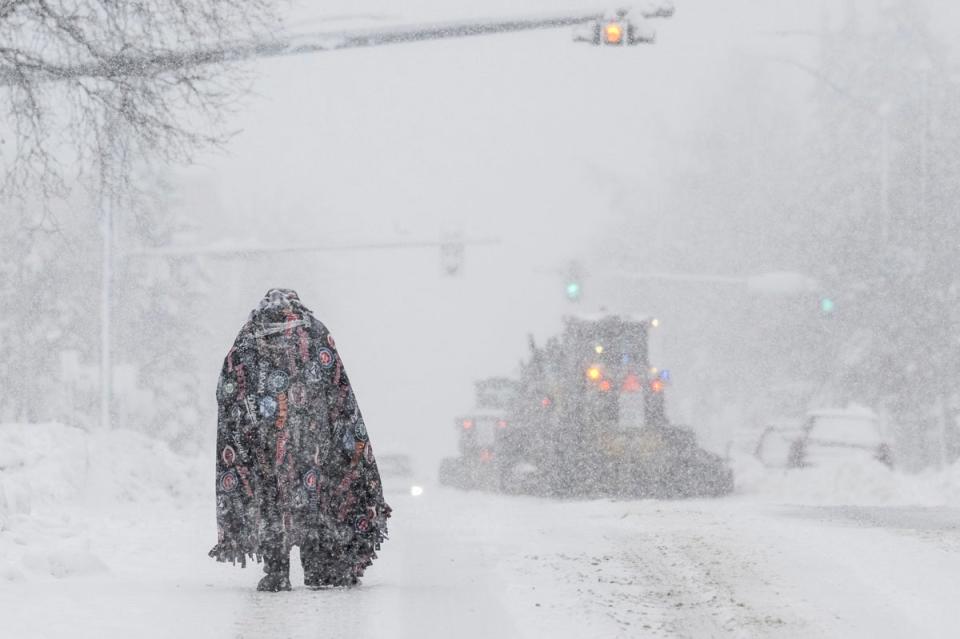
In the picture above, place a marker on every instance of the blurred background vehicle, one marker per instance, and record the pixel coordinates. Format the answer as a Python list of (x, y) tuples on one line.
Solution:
[(586, 418), (481, 434), (776, 441), (834, 436), (398, 476), (825, 438)]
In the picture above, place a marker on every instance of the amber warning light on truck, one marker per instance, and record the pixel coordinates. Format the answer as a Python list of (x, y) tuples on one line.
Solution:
[(613, 33)]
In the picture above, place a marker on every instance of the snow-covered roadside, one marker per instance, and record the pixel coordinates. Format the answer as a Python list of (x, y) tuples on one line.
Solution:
[(116, 548), (870, 484), (55, 480), (105, 535)]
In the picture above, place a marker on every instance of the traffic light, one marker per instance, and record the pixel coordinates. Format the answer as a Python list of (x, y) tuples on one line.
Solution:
[(624, 26), (827, 305), (613, 33), (451, 255), (573, 280)]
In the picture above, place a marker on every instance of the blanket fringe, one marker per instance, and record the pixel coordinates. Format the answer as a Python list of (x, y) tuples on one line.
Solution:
[(233, 553)]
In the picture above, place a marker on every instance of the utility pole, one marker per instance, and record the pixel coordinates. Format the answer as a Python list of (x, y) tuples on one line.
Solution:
[(924, 134), (943, 402), (884, 114), (106, 304)]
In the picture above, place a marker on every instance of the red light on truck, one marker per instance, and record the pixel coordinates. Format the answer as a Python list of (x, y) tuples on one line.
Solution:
[(631, 384)]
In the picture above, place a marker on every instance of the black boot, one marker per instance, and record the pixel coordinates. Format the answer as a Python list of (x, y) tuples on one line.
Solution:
[(311, 558), (317, 581), (274, 583), (277, 567), (314, 576), (313, 581), (323, 569)]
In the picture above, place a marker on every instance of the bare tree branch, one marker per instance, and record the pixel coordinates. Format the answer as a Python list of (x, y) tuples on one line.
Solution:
[(94, 85)]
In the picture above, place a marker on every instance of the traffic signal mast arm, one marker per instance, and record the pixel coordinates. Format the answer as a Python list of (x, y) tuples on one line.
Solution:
[(783, 282), (132, 65), (239, 249)]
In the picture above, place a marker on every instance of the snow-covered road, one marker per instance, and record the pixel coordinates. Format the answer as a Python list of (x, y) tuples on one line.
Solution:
[(478, 565)]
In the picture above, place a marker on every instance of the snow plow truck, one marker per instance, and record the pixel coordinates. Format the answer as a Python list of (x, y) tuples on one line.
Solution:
[(586, 418)]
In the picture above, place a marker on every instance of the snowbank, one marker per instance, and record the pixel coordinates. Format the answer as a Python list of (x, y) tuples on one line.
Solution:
[(35, 466), (63, 491), (54, 479), (44, 466), (861, 484)]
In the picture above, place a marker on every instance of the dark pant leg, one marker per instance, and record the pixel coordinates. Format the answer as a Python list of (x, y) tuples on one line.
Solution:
[(273, 541), (312, 560), (276, 564), (276, 561)]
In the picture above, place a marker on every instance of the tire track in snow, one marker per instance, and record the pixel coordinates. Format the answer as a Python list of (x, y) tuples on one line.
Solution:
[(677, 573)]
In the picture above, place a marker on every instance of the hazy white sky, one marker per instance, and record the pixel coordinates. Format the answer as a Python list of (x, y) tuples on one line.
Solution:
[(523, 137), (518, 137)]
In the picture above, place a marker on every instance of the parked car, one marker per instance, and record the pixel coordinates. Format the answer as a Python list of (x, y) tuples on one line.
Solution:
[(776, 442), (826, 438)]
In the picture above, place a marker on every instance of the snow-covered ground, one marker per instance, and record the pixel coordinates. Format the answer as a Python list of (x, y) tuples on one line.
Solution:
[(106, 536)]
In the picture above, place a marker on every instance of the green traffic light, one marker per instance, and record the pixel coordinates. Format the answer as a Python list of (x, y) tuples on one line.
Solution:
[(573, 290), (827, 305)]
